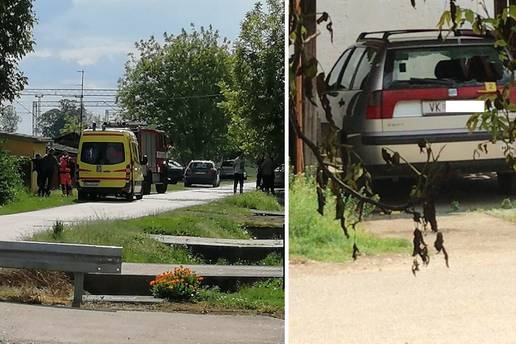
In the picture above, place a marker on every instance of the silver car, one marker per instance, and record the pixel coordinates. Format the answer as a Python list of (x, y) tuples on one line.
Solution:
[(395, 89)]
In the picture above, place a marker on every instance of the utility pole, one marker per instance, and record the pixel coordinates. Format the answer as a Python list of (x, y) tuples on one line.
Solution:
[(36, 114), (82, 97)]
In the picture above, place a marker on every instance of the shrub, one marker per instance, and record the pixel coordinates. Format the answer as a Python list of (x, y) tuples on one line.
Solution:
[(178, 285), (506, 203), (57, 229), (10, 180)]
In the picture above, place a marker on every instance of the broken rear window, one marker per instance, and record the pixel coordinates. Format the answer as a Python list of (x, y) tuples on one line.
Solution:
[(443, 66)]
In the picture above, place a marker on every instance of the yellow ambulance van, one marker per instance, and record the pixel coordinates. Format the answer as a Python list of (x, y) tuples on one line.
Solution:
[(109, 163)]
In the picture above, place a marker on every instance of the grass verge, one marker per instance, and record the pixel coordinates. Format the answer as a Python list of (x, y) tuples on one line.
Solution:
[(262, 297), (320, 238), (26, 201), (506, 214), (220, 219)]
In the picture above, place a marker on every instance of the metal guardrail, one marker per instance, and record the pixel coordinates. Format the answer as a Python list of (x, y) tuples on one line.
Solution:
[(77, 259)]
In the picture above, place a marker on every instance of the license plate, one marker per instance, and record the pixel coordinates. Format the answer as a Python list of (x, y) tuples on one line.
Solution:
[(434, 107), (90, 184), (199, 173), (452, 106)]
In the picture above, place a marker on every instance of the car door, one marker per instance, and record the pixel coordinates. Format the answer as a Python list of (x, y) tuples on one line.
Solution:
[(346, 85)]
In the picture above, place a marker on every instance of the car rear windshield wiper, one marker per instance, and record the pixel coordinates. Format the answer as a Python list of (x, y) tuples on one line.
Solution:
[(423, 81)]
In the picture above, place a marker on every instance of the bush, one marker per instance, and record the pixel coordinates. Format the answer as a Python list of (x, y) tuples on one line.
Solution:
[(178, 285), (10, 180)]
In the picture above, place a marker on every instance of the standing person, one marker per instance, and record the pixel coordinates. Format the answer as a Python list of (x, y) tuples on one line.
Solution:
[(268, 174), (36, 167), (65, 179), (238, 173), (259, 185), (48, 166)]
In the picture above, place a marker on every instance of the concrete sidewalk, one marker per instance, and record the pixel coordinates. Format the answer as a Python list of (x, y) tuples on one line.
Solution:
[(51, 325)]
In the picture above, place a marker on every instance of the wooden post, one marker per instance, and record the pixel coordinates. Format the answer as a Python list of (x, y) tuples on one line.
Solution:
[(300, 163), (78, 283)]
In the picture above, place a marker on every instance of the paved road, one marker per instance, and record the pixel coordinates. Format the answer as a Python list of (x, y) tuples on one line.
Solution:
[(51, 325), (18, 226), (378, 300)]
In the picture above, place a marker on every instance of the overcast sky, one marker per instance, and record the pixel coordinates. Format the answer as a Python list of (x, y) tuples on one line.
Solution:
[(97, 35)]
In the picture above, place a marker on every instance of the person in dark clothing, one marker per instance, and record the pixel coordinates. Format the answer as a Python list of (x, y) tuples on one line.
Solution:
[(238, 173), (259, 185), (268, 174), (36, 167), (49, 166)]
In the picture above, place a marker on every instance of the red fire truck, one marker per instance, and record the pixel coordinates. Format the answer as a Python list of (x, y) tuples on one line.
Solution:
[(154, 144)]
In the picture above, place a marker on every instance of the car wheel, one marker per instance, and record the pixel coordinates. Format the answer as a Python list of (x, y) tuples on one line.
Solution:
[(506, 183), (82, 195), (129, 196)]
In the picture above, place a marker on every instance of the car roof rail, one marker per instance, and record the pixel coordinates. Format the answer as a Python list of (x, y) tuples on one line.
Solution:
[(387, 34)]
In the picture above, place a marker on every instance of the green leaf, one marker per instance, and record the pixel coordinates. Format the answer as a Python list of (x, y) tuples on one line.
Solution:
[(469, 15), (500, 43), (512, 11)]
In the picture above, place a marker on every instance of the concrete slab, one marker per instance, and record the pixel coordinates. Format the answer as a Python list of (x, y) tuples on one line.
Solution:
[(230, 243), (206, 270)]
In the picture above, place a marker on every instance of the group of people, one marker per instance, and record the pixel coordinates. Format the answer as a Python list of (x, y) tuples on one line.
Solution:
[(46, 169), (264, 175)]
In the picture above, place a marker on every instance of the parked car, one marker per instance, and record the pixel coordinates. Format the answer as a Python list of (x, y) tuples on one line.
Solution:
[(227, 169), (279, 176), (202, 172), (393, 89), (175, 171)]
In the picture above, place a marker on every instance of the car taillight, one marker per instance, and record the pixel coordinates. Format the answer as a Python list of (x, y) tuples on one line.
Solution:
[(128, 172), (212, 172), (513, 95), (374, 106)]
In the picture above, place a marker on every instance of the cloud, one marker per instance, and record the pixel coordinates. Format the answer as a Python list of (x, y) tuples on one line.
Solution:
[(86, 52)]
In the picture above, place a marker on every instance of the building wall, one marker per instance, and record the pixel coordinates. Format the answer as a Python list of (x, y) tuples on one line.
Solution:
[(351, 17), (22, 147)]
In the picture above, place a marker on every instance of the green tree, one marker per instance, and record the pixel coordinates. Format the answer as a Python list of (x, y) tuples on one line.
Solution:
[(16, 23), (55, 122), (175, 86), (254, 100), (9, 119), (10, 180)]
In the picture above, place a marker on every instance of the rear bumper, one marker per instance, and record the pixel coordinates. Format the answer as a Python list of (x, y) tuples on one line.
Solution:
[(106, 190), (458, 153), (460, 167), (200, 179)]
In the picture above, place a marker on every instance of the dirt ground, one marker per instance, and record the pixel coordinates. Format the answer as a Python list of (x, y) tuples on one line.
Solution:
[(378, 300)]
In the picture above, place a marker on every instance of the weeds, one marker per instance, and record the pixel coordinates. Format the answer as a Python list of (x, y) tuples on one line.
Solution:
[(57, 229), (319, 237)]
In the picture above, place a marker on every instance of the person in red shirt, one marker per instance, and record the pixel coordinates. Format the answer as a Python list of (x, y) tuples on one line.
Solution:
[(65, 177)]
